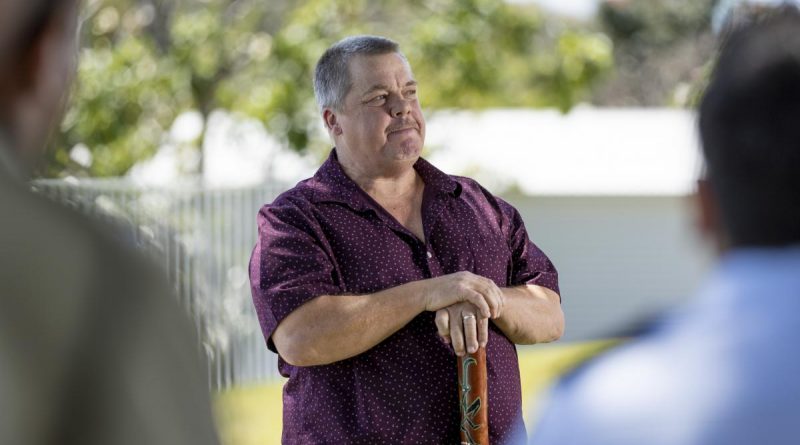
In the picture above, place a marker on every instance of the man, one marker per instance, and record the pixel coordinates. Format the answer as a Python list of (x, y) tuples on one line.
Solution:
[(357, 269), (724, 369), (94, 349)]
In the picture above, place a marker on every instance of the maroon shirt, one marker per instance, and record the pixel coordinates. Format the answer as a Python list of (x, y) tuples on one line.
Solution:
[(326, 236)]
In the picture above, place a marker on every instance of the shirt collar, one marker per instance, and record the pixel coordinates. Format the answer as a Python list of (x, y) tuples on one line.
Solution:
[(9, 167), (760, 264), (331, 184), (753, 278)]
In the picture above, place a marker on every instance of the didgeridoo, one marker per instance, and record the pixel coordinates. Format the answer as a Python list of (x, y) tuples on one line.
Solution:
[(473, 395)]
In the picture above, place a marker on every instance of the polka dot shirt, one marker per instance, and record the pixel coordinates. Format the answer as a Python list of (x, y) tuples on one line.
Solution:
[(326, 236)]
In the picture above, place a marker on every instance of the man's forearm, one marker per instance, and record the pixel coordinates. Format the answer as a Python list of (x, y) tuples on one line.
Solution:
[(532, 314), (331, 328)]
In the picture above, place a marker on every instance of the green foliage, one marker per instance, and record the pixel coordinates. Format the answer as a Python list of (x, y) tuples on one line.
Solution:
[(657, 23), (660, 48), (144, 62), (126, 97), (478, 54)]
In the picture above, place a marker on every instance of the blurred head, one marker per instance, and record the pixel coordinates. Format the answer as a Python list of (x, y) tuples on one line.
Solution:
[(368, 97), (750, 130), (38, 44)]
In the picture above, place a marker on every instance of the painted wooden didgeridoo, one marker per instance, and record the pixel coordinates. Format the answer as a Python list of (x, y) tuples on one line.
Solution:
[(473, 395)]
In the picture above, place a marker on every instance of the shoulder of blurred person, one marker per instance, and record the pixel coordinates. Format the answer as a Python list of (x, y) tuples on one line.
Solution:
[(721, 369), (94, 348)]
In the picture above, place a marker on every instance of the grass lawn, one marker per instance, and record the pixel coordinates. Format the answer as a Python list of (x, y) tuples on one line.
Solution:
[(252, 415)]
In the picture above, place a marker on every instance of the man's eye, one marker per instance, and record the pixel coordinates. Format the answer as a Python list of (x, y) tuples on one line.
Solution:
[(377, 100), (411, 93)]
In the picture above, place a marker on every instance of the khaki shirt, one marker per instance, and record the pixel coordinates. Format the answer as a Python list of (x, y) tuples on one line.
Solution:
[(94, 348)]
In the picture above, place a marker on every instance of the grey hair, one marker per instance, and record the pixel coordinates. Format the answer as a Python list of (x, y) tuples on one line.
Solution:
[(332, 74)]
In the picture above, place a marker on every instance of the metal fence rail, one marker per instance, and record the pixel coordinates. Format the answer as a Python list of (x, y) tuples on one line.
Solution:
[(203, 237)]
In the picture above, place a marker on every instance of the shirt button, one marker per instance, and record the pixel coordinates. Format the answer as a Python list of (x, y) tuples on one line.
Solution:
[(430, 255)]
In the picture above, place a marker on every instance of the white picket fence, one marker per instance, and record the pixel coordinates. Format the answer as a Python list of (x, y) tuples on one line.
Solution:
[(203, 237)]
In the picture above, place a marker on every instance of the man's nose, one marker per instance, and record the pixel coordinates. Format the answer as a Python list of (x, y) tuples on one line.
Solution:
[(400, 107)]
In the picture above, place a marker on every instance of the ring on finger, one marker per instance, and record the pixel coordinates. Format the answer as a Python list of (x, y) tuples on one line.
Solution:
[(468, 317)]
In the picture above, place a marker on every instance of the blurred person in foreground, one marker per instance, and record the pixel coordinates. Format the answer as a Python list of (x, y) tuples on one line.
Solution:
[(370, 277), (723, 370), (94, 349)]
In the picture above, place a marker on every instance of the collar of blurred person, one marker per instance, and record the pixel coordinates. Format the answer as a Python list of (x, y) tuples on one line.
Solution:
[(8, 164)]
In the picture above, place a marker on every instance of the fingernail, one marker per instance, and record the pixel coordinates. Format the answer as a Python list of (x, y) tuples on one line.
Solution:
[(472, 349)]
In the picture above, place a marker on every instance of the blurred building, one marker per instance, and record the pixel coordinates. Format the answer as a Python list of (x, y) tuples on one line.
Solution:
[(605, 192)]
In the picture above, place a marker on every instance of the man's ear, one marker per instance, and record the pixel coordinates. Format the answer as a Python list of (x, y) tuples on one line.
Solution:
[(331, 122), (32, 58), (27, 62), (708, 218)]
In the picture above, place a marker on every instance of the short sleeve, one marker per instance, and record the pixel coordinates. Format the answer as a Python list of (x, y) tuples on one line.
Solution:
[(529, 264), (290, 264)]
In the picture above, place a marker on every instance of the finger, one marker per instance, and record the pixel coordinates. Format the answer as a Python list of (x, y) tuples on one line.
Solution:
[(443, 324), (483, 286), (479, 301), (483, 331), (495, 298), (501, 300), (470, 331), (457, 337)]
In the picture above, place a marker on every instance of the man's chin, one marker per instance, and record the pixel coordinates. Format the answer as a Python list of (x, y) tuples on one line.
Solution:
[(410, 150)]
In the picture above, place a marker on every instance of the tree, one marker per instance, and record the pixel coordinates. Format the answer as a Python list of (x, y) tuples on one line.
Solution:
[(145, 62), (660, 50)]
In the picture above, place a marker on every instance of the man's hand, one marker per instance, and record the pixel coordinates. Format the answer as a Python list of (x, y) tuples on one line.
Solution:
[(462, 326), (330, 328), (464, 287)]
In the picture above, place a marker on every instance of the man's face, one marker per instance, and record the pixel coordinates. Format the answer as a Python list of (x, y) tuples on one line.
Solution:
[(381, 124)]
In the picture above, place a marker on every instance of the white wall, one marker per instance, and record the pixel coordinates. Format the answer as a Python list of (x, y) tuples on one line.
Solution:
[(619, 258)]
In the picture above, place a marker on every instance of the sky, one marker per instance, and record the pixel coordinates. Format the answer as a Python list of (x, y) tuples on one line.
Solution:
[(582, 9)]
